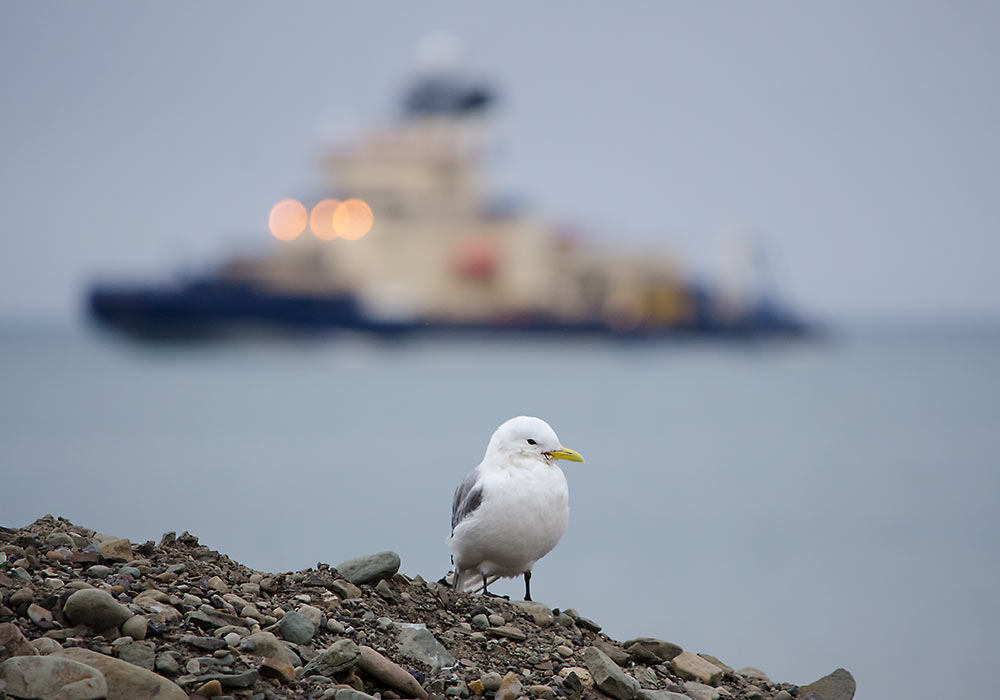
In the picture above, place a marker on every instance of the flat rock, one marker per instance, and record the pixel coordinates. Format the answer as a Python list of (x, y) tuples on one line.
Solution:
[(390, 673), (116, 549), (692, 667), (508, 631), (650, 650), (50, 677), (614, 652), (336, 658), (345, 589), (296, 627), (839, 685), (416, 642), (608, 676), (370, 569), (125, 681), (13, 642), (206, 643), (96, 609)]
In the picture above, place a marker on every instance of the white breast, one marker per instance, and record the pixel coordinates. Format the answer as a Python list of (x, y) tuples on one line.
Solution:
[(524, 513)]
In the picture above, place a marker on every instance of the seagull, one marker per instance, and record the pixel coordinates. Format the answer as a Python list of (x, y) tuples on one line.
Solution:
[(513, 508)]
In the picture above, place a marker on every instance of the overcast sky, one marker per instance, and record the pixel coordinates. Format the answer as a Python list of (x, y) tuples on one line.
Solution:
[(858, 139)]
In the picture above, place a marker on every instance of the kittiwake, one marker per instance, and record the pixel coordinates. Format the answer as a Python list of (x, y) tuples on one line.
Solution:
[(513, 508)]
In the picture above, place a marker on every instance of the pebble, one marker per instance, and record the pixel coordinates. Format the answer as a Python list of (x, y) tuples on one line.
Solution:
[(40, 616), (138, 654), (95, 609), (480, 622), (98, 571), (508, 631), (136, 627), (564, 651), (20, 597), (496, 620), (491, 681), (296, 627)]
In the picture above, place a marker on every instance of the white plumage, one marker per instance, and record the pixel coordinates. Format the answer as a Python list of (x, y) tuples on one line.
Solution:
[(513, 508)]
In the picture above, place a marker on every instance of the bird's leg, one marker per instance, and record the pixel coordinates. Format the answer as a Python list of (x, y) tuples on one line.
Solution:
[(527, 585), (485, 592)]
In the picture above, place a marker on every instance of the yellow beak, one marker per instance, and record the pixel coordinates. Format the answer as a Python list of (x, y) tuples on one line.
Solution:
[(567, 454)]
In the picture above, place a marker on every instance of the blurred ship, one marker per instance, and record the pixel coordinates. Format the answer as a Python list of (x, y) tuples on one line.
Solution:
[(442, 257)]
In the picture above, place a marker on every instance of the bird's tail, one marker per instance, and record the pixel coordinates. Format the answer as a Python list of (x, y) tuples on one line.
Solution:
[(468, 580)]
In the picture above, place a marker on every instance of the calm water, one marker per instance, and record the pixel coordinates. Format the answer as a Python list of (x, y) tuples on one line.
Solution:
[(791, 507)]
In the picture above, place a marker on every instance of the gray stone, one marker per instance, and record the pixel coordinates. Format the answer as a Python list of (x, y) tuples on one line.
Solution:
[(416, 642), (313, 614), (480, 622), (336, 658), (125, 681), (138, 654), (783, 695), (369, 569), (491, 681), (296, 627), (608, 676), (51, 678), (651, 650), (167, 664), (95, 609), (98, 571), (59, 539), (839, 685)]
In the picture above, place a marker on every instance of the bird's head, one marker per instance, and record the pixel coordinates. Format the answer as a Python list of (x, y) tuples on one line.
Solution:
[(529, 437)]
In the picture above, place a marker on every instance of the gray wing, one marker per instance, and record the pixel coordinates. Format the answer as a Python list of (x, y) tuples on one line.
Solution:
[(468, 496)]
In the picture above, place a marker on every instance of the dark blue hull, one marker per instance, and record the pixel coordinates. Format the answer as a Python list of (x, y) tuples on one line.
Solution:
[(218, 308)]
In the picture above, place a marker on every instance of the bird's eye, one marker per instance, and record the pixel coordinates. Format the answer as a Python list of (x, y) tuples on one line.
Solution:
[(531, 442)]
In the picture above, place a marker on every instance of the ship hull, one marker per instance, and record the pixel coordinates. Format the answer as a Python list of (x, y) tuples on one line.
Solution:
[(221, 309)]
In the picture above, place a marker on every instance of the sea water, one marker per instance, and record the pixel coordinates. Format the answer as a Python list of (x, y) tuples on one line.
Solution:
[(790, 506)]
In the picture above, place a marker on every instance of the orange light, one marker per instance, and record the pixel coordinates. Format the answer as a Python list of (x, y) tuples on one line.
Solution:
[(288, 219), (321, 219), (353, 219)]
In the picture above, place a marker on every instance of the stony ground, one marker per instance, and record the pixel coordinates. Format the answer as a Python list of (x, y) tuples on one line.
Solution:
[(86, 615)]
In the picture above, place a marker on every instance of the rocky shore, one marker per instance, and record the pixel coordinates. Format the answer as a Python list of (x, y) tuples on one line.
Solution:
[(85, 615)]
